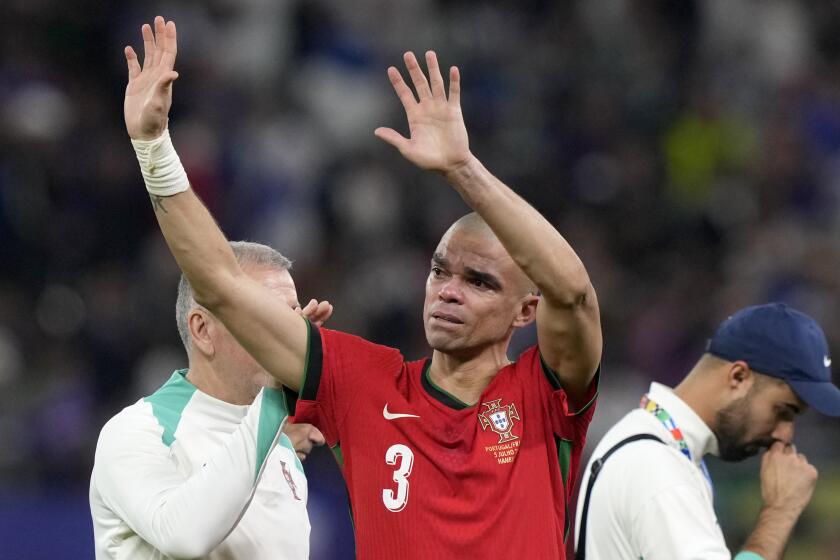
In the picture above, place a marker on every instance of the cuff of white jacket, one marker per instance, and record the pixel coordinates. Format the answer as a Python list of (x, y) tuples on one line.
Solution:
[(748, 555)]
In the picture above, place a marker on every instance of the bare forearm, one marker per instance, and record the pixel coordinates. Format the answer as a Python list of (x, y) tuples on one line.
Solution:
[(198, 245), (771, 533), (535, 245)]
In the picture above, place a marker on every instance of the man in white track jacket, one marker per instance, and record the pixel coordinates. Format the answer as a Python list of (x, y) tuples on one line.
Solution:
[(201, 468)]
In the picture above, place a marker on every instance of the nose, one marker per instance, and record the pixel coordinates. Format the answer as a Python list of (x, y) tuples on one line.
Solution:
[(451, 292), (783, 432)]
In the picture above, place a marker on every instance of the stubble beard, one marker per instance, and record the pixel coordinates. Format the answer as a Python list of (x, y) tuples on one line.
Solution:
[(731, 431)]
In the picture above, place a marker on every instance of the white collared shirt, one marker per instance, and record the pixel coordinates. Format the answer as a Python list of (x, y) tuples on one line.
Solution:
[(649, 500)]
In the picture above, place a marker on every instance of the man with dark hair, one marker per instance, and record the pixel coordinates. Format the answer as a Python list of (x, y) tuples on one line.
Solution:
[(465, 454), (200, 468), (646, 492)]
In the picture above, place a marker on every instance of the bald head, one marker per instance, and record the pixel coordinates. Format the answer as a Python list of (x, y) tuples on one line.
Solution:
[(473, 225)]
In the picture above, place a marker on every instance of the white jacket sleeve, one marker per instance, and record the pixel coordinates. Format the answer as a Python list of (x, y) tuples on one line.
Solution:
[(184, 517)]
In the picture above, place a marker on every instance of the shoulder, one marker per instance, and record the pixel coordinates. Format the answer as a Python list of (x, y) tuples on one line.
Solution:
[(654, 464), (351, 347), (127, 429)]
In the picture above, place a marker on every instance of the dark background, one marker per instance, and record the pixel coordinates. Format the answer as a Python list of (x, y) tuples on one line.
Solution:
[(689, 150)]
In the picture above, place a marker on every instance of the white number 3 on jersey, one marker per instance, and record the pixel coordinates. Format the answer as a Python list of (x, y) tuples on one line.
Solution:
[(398, 454)]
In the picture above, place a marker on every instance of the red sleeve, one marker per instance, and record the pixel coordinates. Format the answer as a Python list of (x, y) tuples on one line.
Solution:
[(568, 422), (339, 367)]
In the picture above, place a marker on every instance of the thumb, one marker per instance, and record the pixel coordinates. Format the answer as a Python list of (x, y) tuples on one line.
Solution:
[(166, 81), (392, 137)]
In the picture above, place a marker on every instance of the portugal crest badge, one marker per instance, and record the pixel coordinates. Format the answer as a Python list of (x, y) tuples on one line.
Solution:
[(499, 418)]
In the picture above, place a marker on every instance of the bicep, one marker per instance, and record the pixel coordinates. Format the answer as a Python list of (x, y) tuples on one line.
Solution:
[(264, 324), (570, 340)]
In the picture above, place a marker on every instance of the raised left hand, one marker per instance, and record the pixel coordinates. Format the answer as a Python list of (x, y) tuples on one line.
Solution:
[(438, 137), (148, 95)]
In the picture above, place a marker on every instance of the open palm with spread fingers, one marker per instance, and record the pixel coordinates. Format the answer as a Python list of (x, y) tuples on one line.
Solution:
[(438, 138), (148, 95)]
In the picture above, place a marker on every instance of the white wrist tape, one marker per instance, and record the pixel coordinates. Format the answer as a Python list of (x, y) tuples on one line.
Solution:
[(162, 170)]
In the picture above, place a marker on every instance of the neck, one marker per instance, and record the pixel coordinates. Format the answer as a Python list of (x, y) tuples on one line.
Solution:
[(207, 380), (467, 377), (694, 391)]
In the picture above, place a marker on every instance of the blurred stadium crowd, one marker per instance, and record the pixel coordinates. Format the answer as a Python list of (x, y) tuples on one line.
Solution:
[(689, 150)]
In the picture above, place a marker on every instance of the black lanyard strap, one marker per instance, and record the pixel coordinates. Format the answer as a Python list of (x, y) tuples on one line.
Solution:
[(597, 465)]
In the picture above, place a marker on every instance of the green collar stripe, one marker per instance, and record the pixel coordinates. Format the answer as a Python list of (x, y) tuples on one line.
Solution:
[(272, 414), (439, 394), (169, 402)]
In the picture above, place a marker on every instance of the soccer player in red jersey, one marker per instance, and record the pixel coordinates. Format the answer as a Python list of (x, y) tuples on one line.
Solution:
[(465, 454)]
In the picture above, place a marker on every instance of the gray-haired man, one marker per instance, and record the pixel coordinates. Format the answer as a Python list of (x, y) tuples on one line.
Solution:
[(201, 468)]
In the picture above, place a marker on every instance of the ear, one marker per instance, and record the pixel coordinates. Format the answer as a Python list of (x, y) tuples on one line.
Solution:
[(739, 378), (527, 311), (200, 325)]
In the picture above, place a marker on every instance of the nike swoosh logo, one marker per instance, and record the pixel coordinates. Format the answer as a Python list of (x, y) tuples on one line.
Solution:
[(394, 416), (826, 361)]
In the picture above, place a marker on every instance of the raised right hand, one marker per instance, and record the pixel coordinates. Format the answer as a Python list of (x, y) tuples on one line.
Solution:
[(148, 95), (787, 479)]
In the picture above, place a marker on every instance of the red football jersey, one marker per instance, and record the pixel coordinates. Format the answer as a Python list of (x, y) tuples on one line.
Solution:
[(431, 477)]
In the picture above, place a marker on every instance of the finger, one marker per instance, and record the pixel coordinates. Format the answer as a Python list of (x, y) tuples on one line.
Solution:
[(326, 311), (170, 47), (455, 86), (322, 313), (148, 45), (309, 308), (417, 76), (160, 39), (403, 91), (392, 137), (133, 64), (436, 80)]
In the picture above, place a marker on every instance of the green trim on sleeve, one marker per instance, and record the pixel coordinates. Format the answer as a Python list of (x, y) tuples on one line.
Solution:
[(748, 555), (339, 456), (554, 381), (550, 374), (287, 443), (272, 415), (168, 403), (306, 358), (596, 380), (314, 363), (564, 457)]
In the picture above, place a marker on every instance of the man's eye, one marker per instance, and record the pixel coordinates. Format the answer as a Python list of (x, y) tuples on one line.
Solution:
[(436, 271), (785, 415), (478, 283)]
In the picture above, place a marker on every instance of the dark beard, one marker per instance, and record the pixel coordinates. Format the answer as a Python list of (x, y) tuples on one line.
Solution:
[(731, 430)]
